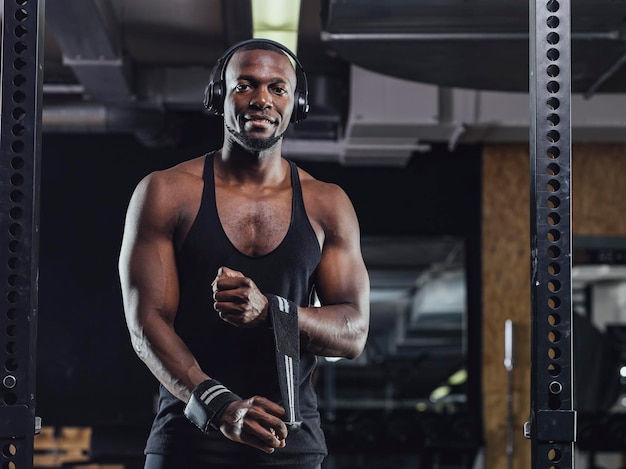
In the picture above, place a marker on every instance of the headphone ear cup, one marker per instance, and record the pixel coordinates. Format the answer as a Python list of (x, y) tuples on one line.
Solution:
[(214, 97), (300, 107)]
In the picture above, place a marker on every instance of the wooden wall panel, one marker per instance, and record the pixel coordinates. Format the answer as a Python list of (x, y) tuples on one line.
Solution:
[(599, 190), (598, 208), (506, 295)]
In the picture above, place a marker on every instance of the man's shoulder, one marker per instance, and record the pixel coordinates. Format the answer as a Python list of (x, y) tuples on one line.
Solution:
[(183, 173), (192, 168), (321, 189), (174, 184)]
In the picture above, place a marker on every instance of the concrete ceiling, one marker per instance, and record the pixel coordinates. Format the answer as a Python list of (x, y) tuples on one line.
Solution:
[(139, 65)]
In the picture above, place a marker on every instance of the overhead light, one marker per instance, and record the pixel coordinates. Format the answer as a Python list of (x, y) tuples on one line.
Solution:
[(439, 393), (276, 20), (458, 378)]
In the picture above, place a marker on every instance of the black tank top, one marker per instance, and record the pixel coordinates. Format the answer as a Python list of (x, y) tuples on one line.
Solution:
[(241, 358)]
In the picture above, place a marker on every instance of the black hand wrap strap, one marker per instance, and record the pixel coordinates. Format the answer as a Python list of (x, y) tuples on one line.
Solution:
[(207, 404), (284, 318)]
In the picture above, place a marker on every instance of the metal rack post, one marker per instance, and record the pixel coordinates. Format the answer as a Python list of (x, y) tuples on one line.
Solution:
[(552, 426), (20, 145)]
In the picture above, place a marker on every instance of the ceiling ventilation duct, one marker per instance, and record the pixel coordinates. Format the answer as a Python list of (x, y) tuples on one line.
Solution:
[(476, 44)]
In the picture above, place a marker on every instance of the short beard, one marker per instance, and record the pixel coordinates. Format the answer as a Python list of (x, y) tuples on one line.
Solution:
[(254, 144)]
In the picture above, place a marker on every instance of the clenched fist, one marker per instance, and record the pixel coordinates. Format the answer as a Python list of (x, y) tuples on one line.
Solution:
[(238, 300)]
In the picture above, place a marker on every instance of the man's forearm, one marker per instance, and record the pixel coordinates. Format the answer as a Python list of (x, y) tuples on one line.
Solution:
[(334, 330), (169, 360)]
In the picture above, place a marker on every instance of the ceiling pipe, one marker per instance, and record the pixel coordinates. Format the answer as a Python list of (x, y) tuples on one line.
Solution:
[(152, 127)]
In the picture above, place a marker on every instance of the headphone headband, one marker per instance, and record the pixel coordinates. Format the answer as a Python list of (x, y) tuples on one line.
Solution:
[(215, 90)]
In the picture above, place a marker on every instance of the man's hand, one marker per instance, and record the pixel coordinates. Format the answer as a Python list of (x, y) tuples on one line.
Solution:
[(237, 299), (255, 422)]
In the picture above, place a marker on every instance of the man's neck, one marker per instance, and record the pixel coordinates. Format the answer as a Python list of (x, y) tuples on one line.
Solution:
[(235, 164)]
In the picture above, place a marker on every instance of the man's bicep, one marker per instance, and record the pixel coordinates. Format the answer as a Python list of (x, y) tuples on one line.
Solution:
[(342, 277), (147, 261)]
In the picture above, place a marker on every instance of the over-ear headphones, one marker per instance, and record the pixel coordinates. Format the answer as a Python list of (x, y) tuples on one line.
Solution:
[(215, 90)]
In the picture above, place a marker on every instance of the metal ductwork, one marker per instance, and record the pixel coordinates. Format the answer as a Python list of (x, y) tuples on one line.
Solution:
[(151, 127)]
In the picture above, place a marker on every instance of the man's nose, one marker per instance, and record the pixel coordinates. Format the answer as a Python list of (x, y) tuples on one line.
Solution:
[(261, 98)]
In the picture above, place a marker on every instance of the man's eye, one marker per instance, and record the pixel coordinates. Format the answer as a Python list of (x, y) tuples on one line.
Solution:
[(279, 90), (242, 87)]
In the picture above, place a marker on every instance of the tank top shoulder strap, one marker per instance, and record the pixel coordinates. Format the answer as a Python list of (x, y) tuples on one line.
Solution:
[(207, 174), (298, 200)]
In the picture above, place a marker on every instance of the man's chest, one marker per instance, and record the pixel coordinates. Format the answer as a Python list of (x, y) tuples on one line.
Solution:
[(254, 224)]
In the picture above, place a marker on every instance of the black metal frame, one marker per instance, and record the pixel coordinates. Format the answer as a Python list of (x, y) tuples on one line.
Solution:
[(20, 145), (553, 419)]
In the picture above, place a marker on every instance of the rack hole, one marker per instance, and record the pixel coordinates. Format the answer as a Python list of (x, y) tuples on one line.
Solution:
[(19, 97), (20, 47), (18, 130), (554, 369), (554, 455), (554, 302), (17, 162), (15, 213), (553, 54), (554, 402), (19, 63), (553, 136), (9, 450), (17, 146), (553, 185), (18, 114), (553, 86), (553, 103), (554, 286), (554, 336), (15, 229), (17, 179), (12, 297), (553, 236), (20, 30), (554, 319), (19, 80), (553, 71), (553, 6), (552, 22), (21, 15), (10, 399), (554, 353), (553, 119), (11, 364), (553, 38), (553, 202), (553, 169), (12, 280), (553, 218), (553, 152), (554, 269), (17, 196)]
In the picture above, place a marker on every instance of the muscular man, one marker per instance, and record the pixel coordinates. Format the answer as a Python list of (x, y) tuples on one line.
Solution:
[(209, 246)]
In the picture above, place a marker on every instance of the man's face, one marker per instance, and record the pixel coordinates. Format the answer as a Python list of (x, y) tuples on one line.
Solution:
[(260, 87)]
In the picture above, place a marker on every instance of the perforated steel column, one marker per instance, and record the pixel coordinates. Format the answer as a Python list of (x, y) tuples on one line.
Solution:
[(553, 420), (22, 50)]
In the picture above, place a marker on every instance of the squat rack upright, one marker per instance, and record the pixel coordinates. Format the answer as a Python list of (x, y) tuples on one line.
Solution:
[(20, 149), (552, 426)]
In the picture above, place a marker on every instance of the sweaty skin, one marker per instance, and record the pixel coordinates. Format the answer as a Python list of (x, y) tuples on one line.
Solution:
[(253, 197)]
